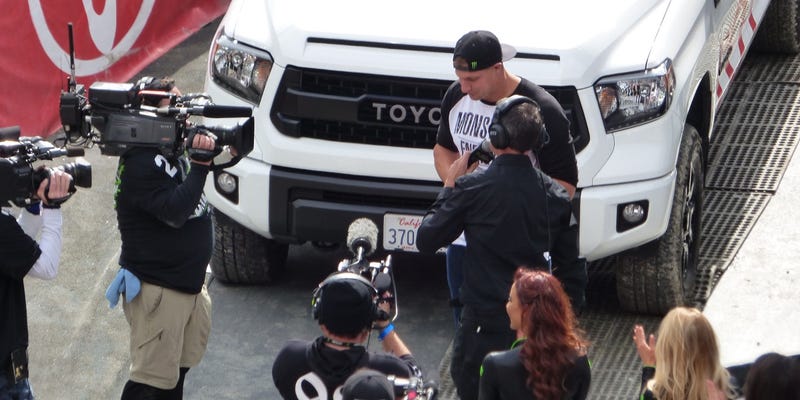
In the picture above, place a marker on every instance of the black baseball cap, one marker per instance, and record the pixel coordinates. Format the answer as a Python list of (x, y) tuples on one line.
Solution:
[(346, 306), (367, 384), (478, 50)]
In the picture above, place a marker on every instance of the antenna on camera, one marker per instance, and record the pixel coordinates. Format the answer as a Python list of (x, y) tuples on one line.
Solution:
[(72, 102), (71, 82)]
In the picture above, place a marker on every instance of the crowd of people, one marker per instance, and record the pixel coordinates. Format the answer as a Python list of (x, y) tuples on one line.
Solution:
[(517, 283)]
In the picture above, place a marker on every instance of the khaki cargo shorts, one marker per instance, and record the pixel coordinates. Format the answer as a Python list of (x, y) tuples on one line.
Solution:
[(169, 331)]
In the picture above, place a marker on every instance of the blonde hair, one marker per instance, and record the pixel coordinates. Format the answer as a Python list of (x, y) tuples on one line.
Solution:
[(687, 355)]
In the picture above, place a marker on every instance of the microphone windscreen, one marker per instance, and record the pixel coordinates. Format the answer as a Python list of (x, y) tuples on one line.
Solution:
[(360, 230), (216, 111)]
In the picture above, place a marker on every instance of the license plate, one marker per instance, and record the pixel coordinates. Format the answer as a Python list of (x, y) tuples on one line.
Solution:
[(400, 232)]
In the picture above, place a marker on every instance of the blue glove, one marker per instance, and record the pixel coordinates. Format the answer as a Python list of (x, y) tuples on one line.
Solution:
[(124, 282)]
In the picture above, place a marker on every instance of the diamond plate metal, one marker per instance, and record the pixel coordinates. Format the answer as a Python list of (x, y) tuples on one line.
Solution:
[(769, 68), (756, 133)]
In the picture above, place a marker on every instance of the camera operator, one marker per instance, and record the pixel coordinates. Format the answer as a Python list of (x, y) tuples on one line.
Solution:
[(346, 307), (506, 224), (167, 239), (20, 256)]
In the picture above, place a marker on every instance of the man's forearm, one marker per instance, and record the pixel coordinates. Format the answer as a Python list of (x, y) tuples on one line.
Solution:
[(443, 158), (394, 345)]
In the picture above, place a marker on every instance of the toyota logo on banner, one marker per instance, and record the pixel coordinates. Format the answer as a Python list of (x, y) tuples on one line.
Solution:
[(102, 28), (113, 40)]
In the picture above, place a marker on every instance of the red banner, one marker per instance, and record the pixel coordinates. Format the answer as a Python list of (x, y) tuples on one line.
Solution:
[(114, 40)]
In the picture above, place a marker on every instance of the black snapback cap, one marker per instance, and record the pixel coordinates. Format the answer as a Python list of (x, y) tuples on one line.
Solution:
[(478, 50)]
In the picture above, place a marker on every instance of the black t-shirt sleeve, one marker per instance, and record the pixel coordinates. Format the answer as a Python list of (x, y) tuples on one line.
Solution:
[(557, 156), (151, 183), (18, 251), (444, 137)]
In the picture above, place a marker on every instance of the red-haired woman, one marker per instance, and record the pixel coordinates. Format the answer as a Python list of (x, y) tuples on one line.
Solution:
[(548, 360)]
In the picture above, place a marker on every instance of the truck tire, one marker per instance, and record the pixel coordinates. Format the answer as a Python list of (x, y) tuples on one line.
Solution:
[(780, 29), (660, 275), (242, 256)]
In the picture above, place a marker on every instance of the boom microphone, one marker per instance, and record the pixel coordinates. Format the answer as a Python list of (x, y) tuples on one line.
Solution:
[(210, 111), (215, 111), (66, 151), (75, 152), (362, 234)]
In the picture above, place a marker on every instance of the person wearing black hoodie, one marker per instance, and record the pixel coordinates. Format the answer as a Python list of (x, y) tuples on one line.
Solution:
[(346, 307)]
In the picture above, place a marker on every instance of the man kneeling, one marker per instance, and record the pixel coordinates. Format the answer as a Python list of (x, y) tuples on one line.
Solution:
[(347, 307)]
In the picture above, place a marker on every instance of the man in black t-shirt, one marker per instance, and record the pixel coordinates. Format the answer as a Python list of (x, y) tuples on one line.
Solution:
[(167, 238), (467, 110), (345, 305), (21, 256)]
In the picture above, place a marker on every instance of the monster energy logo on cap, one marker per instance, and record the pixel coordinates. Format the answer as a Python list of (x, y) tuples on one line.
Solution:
[(478, 50)]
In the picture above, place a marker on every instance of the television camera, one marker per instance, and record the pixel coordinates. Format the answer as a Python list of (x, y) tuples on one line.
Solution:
[(120, 116), (20, 180)]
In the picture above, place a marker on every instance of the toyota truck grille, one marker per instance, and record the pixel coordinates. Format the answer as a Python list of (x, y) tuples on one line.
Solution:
[(378, 110)]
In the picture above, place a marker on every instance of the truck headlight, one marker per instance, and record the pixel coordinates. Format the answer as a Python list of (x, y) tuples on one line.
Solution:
[(239, 68), (632, 99)]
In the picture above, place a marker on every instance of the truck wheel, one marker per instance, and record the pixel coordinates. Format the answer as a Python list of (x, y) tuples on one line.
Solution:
[(661, 275), (780, 29), (242, 256)]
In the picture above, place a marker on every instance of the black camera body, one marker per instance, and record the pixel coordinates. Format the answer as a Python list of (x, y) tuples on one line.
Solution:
[(414, 388), (482, 153), (118, 116), (121, 116), (19, 179)]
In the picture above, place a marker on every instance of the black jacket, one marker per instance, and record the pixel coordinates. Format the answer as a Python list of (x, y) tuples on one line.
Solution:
[(18, 254), (503, 378), (511, 213), (647, 374), (163, 219)]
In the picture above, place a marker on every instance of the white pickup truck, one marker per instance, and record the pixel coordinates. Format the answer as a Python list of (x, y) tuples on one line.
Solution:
[(346, 97)]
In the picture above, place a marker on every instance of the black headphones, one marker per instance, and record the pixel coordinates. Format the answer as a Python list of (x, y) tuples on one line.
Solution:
[(318, 295), (498, 135)]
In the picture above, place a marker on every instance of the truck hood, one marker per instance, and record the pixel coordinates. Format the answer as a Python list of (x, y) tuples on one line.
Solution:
[(576, 37)]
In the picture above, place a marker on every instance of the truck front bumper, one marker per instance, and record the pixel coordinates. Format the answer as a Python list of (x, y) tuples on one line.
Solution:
[(600, 204)]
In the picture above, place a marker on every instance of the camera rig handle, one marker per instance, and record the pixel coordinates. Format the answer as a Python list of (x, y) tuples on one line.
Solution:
[(201, 155)]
